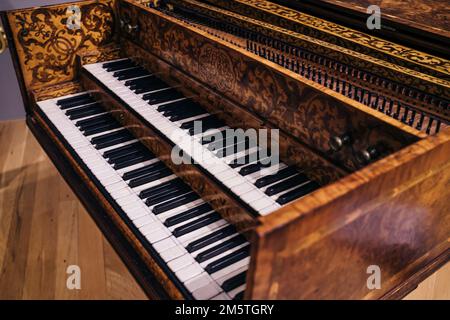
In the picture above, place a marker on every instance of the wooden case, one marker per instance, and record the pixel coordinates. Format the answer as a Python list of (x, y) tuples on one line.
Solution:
[(392, 213)]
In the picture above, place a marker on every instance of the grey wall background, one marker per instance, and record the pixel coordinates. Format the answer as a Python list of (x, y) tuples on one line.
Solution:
[(11, 104)]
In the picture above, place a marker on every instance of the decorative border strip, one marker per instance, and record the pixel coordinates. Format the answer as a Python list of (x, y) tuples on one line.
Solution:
[(320, 28)]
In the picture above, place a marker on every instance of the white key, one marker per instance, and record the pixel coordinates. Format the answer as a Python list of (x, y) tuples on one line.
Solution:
[(181, 262), (189, 272), (221, 296), (207, 292), (200, 280), (237, 290)]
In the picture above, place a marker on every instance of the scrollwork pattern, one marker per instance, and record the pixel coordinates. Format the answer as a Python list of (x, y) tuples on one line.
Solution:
[(47, 47)]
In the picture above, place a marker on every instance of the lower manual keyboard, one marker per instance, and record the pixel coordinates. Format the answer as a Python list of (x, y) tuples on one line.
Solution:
[(206, 255)]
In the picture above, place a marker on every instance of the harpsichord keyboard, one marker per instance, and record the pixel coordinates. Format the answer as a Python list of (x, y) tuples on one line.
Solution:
[(262, 187), (204, 253)]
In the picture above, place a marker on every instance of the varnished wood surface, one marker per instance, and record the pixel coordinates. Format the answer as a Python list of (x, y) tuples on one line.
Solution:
[(430, 15), (403, 227), (44, 229)]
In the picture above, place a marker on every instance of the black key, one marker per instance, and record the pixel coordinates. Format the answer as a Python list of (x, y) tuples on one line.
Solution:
[(246, 159), (133, 161), (121, 67), (134, 148), (110, 135), (220, 144), (127, 72), (236, 148), (298, 192), (157, 174), (177, 105), (123, 158), (186, 115), (121, 150), (280, 175), (184, 199), (157, 85), (112, 64), (287, 184), (228, 260), (150, 85), (93, 120), (208, 139), (211, 238), (196, 224), (143, 171), (111, 139), (163, 96), (220, 248), (142, 82), (165, 195), (190, 124), (85, 111), (112, 142), (179, 110), (239, 296), (209, 122), (97, 122), (139, 81), (72, 99), (252, 168), (180, 107), (208, 126), (234, 282), (160, 188), (187, 215), (77, 103), (101, 128)]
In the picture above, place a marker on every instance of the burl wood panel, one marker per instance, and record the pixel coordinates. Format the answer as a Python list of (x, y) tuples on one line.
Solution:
[(336, 34), (394, 214), (47, 48), (290, 150), (305, 110)]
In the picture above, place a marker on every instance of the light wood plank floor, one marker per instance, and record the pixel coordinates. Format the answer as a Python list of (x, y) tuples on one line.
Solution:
[(44, 229)]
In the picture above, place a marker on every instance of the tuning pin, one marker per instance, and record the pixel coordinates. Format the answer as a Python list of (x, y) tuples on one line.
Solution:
[(350, 91), (376, 103), (430, 123), (438, 126), (413, 118), (405, 115), (420, 123), (369, 98), (367, 155), (397, 112), (336, 143), (391, 107)]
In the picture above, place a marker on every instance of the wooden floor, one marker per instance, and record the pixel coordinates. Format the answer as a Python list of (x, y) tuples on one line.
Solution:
[(44, 229)]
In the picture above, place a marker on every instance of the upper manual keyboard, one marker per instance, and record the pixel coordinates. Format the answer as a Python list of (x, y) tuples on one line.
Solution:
[(236, 164)]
